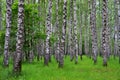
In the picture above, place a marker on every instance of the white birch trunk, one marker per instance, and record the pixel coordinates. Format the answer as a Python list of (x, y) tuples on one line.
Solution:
[(7, 35), (75, 33), (48, 33), (62, 44), (20, 38), (105, 32)]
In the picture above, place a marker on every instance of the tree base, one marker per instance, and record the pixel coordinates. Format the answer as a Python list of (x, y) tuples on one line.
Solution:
[(105, 64), (76, 62), (95, 62), (46, 59), (60, 65)]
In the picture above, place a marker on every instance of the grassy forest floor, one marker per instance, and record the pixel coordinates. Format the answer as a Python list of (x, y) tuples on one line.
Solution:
[(84, 70)]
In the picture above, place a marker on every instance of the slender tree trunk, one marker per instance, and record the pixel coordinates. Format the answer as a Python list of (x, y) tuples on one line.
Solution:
[(39, 10), (93, 30), (108, 33), (75, 32), (39, 55), (118, 4), (86, 44), (34, 1), (31, 53), (62, 44), (7, 35), (0, 14), (80, 31), (111, 43), (20, 38), (85, 34), (89, 28), (12, 1), (115, 29), (28, 1), (80, 42), (57, 30), (71, 31), (105, 32), (100, 32), (48, 32), (38, 52)]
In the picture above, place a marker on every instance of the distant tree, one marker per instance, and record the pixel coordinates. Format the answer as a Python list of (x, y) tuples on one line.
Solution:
[(39, 45), (71, 45), (80, 30), (20, 38), (7, 34), (39, 10), (118, 5), (0, 14), (89, 29), (115, 29), (34, 1)]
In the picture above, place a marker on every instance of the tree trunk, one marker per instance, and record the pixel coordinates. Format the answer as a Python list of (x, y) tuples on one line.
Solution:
[(20, 38), (93, 31), (57, 31), (80, 41), (48, 32), (105, 32), (118, 4), (62, 44), (0, 14), (116, 30), (7, 35), (39, 45), (75, 33), (71, 31), (86, 35)]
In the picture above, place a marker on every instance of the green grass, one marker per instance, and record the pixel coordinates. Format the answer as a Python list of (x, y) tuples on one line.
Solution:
[(84, 70)]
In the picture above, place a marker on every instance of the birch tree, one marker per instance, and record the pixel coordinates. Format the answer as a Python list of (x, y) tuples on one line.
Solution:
[(0, 14), (48, 32), (105, 31), (19, 45), (71, 31), (7, 34), (75, 33), (118, 5), (58, 36), (116, 29), (79, 22), (93, 30), (62, 44), (40, 41)]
